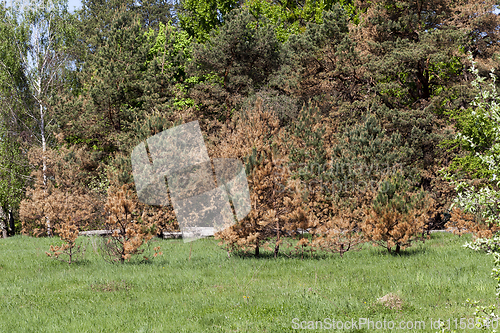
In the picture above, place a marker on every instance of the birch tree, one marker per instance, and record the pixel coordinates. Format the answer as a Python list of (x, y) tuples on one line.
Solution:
[(43, 32)]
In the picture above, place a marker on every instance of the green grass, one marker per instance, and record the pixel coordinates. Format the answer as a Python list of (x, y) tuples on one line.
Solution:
[(214, 293)]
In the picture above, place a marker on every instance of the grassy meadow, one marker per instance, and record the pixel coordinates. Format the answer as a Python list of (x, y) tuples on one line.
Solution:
[(211, 292)]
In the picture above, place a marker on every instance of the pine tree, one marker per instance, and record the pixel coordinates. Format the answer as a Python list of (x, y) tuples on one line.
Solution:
[(233, 64), (397, 216), (121, 79)]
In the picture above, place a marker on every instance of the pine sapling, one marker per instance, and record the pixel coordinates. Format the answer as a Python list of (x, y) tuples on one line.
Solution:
[(68, 251), (128, 230), (397, 216)]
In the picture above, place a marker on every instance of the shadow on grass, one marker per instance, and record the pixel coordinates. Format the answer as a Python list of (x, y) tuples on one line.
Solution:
[(145, 261), (78, 262), (414, 250), (81, 262), (411, 252), (269, 255)]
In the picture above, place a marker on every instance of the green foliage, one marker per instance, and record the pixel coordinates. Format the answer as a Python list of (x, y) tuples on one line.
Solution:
[(200, 18), (35, 65), (308, 157), (14, 173), (14, 169), (413, 51), (478, 130), (276, 16), (291, 17), (151, 12), (173, 47), (128, 72), (324, 56), (478, 137), (481, 201), (13, 82), (234, 64), (393, 194), (365, 154), (486, 315)]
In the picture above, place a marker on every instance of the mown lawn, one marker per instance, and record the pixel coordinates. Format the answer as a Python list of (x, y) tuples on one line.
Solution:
[(211, 292)]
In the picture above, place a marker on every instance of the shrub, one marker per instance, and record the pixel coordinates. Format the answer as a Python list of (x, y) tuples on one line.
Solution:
[(479, 139), (486, 316), (462, 222)]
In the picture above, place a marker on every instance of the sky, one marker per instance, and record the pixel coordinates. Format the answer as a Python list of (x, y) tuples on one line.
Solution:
[(74, 4)]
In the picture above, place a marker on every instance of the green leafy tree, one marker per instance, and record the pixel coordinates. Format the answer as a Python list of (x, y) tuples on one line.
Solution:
[(199, 18), (14, 97), (172, 49), (478, 138), (477, 128), (292, 17), (41, 33), (14, 171)]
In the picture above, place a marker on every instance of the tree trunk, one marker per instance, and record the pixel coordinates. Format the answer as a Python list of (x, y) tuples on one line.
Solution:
[(11, 223), (3, 221), (3, 225), (277, 247), (44, 144), (423, 88), (398, 247)]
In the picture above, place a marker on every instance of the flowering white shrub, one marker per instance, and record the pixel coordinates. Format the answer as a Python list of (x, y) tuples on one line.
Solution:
[(483, 143), (481, 123)]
